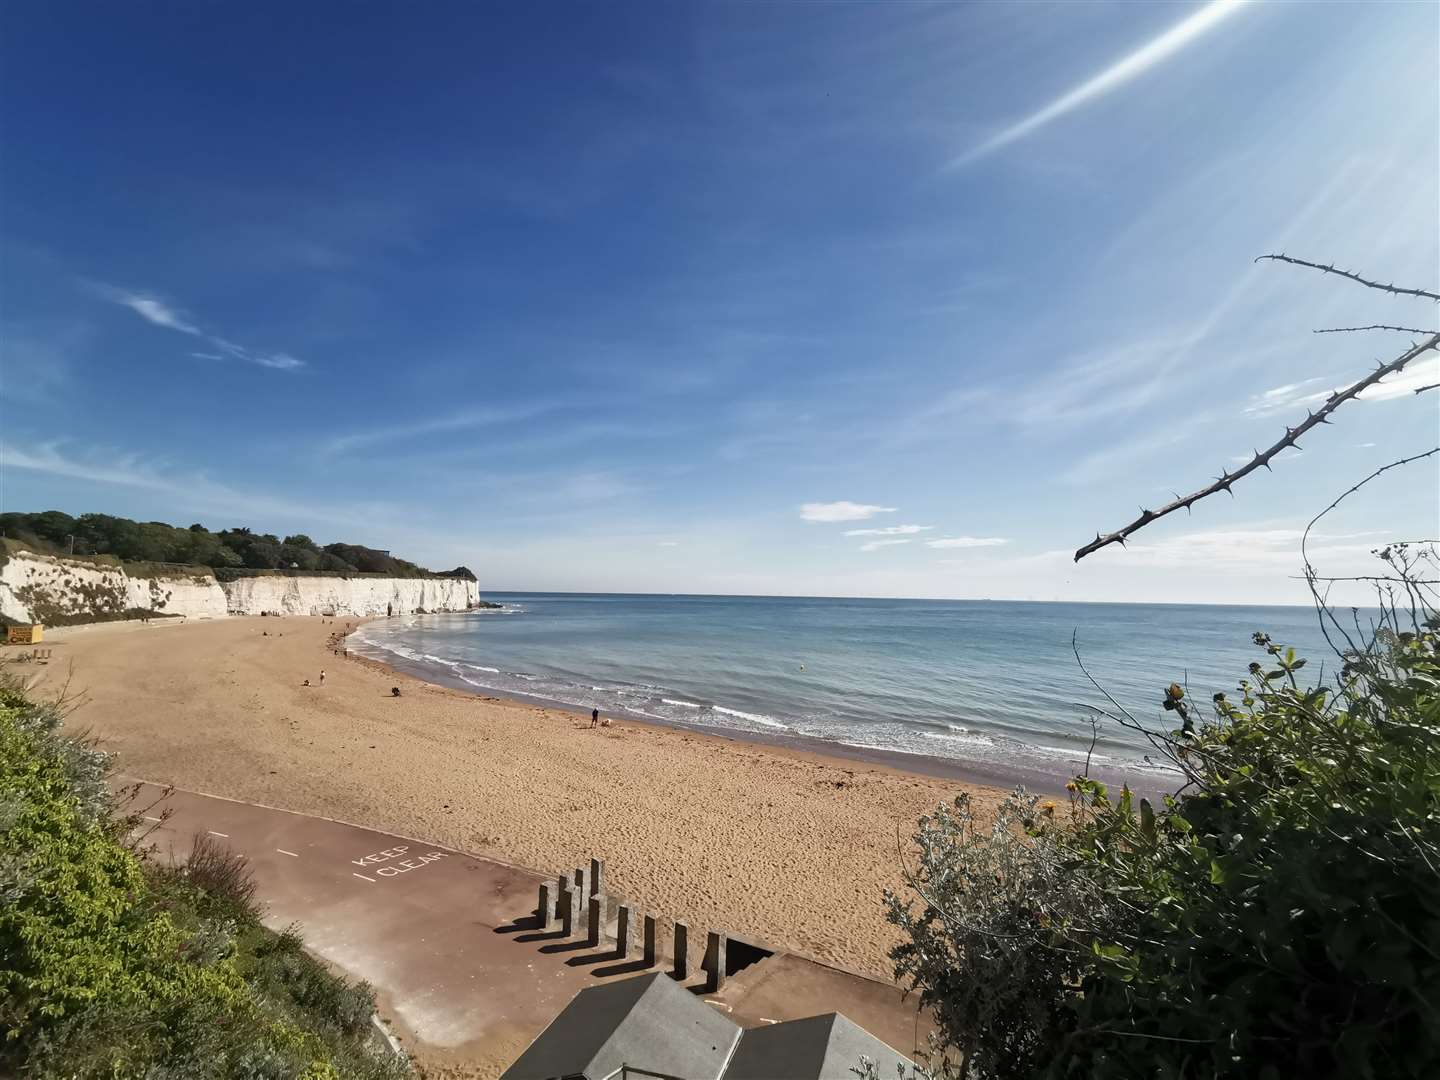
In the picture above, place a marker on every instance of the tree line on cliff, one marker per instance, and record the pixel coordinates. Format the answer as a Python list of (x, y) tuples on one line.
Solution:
[(57, 533)]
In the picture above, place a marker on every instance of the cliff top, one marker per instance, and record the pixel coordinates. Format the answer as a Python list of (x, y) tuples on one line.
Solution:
[(230, 553)]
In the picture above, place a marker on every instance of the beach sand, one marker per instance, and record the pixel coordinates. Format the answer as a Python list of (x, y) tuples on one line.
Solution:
[(789, 847)]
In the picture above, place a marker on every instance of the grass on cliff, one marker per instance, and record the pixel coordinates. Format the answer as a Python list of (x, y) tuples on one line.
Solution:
[(112, 965)]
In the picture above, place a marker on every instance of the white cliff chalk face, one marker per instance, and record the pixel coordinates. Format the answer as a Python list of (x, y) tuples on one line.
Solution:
[(348, 595), (60, 591)]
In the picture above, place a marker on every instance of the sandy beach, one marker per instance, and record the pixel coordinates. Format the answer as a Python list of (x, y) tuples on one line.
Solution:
[(788, 846)]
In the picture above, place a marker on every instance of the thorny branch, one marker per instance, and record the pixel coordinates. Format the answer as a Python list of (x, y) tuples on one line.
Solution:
[(1263, 458), (1290, 439), (1331, 269), (1372, 326)]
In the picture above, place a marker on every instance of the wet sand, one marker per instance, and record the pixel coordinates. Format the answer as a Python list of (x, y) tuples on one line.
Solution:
[(788, 846)]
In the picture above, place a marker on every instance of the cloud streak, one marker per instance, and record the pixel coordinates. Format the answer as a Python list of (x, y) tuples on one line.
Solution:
[(947, 542), (876, 545), (841, 511), (459, 421), (1304, 394), (189, 490), (159, 313), (893, 530), (1149, 55)]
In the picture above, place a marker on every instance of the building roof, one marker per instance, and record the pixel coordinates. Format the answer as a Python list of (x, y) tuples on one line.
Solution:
[(649, 1022), (827, 1047), (652, 1023)]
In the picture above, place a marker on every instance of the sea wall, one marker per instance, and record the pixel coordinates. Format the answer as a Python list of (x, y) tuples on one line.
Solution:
[(60, 591), (347, 595)]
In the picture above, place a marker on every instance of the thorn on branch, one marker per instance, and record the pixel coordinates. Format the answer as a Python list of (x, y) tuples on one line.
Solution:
[(1291, 439), (1392, 289), (1374, 326)]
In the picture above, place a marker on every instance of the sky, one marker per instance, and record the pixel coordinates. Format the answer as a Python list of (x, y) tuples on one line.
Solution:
[(812, 299)]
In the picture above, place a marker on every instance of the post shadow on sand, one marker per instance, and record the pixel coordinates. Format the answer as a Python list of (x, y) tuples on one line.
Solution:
[(597, 958), (638, 964), (533, 921)]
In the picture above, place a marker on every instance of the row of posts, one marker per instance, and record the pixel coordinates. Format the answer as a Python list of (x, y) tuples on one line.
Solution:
[(578, 901)]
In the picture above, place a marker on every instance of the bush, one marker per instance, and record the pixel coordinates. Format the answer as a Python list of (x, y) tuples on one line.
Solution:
[(113, 967), (221, 874), (1280, 916)]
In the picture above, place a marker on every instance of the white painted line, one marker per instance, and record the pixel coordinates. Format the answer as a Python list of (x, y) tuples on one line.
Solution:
[(361, 876), (149, 818), (284, 852), (222, 835)]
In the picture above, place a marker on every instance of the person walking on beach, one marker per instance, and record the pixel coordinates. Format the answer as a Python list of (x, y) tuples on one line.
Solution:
[(594, 717), (322, 676)]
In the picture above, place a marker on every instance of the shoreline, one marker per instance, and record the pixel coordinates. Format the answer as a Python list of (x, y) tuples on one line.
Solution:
[(788, 845), (1035, 780), (991, 774)]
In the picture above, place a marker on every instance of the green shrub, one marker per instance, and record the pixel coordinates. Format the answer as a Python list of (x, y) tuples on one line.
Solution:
[(1280, 916), (113, 967)]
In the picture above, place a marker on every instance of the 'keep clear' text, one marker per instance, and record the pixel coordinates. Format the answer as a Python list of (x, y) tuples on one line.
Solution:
[(388, 863)]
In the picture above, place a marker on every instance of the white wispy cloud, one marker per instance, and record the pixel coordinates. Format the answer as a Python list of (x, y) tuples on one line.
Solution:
[(1311, 392), (668, 543), (1129, 67), (876, 545), (893, 530), (966, 542), (841, 511), (458, 421), (190, 490), (157, 311)]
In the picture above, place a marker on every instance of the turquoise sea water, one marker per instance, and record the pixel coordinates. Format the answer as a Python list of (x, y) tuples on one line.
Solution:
[(988, 683)]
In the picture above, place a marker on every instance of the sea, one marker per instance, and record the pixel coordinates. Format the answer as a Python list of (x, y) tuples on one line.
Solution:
[(990, 688)]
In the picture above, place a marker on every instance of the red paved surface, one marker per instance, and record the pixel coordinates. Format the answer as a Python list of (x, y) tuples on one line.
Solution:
[(434, 931)]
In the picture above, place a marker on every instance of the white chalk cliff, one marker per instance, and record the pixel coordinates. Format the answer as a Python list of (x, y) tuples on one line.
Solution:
[(347, 595), (63, 591)]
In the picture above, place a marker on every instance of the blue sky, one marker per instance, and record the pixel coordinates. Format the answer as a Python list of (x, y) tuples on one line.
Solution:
[(901, 299)]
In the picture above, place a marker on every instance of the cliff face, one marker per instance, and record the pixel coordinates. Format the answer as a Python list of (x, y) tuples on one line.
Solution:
[(348, 596), (59, 592)]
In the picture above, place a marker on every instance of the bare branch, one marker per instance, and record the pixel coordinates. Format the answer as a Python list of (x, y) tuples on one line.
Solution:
[(1323, 609), (1366, 577), (1395, 290), (1432, 386), (1372, 326), (1262, 458)]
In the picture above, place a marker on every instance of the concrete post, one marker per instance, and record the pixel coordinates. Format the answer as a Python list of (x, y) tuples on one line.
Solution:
[(715, 961), (682, 950), (546, 907), (567, 910), (624, 914), (649, 924), (597, 921), (597, 877)]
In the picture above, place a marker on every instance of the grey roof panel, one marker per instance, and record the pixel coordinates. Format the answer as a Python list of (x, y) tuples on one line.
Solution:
[(649, 1022), (825, 1047)]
